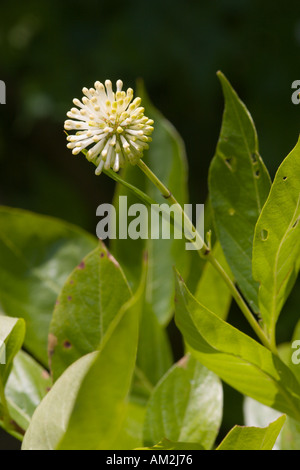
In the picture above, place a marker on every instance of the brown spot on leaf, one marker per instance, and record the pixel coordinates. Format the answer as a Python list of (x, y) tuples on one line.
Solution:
[(69, 297), (183, 362), (81, 265), (52, 343), (67, 344)]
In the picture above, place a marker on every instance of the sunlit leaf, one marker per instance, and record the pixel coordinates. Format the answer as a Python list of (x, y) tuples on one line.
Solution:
[(251, 438), (276, 251), (186, 406), (235, 357), (89, 301), (239, 184)]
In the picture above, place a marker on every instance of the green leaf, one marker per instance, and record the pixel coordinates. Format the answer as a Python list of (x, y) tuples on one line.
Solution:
[(165, 444), (88, 303), (251, 438), (101, 403), (37, 253), (27, 385), (211, 282), (185, 406), (51, 417), (87, 408), (12, 333), (166, 158), (239, 185), (276, 250), (235, 357)]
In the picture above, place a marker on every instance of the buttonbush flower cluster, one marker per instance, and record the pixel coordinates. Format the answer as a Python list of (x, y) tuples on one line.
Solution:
[(111, 124)]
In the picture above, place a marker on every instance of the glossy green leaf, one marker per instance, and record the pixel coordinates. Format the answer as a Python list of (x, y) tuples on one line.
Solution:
[(101, 404), (211, 283), (276, 251), (239, 185), (166, 444), (51, 417), (37, 253), (166, 158), (235, 357), (86, 408), (251, 438), (89, 301), (27, 385), (185, 406), (12, 333)]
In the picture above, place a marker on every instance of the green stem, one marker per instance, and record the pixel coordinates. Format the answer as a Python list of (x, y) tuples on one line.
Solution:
[(205, 252), (272, 335), (166, 193)]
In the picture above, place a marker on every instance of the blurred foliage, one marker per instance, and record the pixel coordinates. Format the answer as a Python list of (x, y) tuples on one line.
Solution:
[(49, 50)]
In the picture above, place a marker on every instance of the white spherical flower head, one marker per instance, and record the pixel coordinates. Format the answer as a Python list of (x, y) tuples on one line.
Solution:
[(111, 125)]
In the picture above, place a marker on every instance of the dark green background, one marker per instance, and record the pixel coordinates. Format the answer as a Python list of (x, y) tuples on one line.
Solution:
[(50, 49)]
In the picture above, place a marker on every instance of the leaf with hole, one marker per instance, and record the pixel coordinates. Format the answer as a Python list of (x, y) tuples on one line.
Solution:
[(276, 250), (239, 184)]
